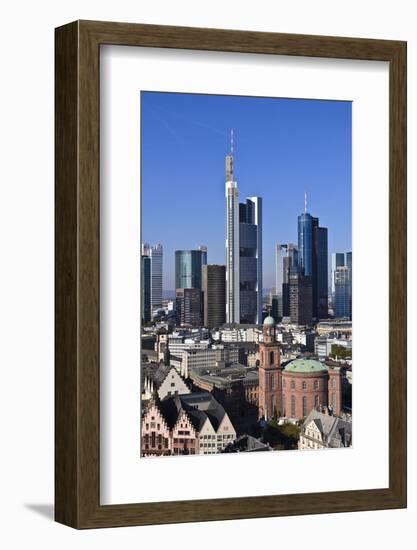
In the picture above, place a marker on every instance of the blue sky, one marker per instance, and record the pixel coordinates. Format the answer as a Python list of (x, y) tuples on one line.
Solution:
[(283, 147)]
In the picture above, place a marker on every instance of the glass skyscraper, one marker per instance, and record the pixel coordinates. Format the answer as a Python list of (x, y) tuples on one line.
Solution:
[(188, 267), (342, 280), (243, 253), (155, 255), (250, 259), (146, 289), (313, 260)]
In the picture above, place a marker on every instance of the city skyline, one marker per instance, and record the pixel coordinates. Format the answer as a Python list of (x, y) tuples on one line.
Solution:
[(187, 136)]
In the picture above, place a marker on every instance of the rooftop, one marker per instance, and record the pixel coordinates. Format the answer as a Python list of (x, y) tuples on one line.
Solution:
[(305, 366)]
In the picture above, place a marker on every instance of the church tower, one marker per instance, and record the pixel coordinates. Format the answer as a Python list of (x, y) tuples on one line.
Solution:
[(270, 377)]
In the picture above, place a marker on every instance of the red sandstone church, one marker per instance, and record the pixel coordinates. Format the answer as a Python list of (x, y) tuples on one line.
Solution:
[(299, 387)]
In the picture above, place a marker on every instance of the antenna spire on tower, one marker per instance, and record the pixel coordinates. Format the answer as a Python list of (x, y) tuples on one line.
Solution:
[(305, 202), (231, 142)]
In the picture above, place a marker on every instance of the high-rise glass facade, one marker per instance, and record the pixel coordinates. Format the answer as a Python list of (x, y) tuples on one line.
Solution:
[(343, 292), (286, 256), (306, 256), (338, 259), (155, 254), (146, 289), (313, 260), (250, 258), (342, 281), (188, 267), (214, 295), (322, 274)]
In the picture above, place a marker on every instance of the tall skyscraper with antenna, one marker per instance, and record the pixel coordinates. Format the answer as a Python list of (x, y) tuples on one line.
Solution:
[(232, 242), (243, 252), (312, 259)]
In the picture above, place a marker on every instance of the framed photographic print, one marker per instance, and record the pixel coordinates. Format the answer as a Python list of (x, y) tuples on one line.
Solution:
[(230, 247)]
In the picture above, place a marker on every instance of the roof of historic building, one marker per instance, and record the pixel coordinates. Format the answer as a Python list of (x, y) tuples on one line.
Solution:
[(335, 431), (305, 366), (269, 321), (198, 407)]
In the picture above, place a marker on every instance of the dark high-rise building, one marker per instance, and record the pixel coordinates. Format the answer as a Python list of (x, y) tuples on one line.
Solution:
[(286, 255), (188, 267), (312, 259), (146, 289), (320, 243), (189, 307), (214, 295), (250, 260), (300, 297)]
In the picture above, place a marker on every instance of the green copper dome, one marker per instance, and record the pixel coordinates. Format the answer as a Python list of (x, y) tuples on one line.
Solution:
[(305, 366), (269, 321)]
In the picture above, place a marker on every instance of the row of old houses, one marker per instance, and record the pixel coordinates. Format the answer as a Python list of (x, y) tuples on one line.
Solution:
[(187, 424)]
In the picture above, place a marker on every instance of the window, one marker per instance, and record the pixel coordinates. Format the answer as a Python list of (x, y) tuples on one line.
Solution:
[(172, 384), (272, 381), (293, 406), (334, 401), (304, 406), (271, 357), (304, 385), (316, 384), (334, 383), (316, 401)]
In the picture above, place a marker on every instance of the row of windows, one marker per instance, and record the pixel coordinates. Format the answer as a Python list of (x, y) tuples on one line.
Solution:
[(303, 384), (154, 438)]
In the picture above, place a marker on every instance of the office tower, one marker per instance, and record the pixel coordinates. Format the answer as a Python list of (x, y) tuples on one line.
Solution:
[(349, 260), (188, 267), (286, 256), (280, 256), (343, 292), (189, 307), (146, 289), (155, 255), (312, 258), (320, 243), (274, 306), (214, 295), (250, 260), (232, 242), (300, 297), (338, 260)]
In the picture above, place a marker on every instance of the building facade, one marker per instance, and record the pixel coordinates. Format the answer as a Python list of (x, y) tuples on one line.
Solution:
[(232, 244), (189, 306), (146, 289), (250, 260), (343, 292), (155, 253), (323, 431), (300, 297), (313, 259), (243, 253), (214, 295), (188, 267)]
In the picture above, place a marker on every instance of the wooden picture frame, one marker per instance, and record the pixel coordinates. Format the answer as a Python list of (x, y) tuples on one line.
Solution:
[(77, 406)]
